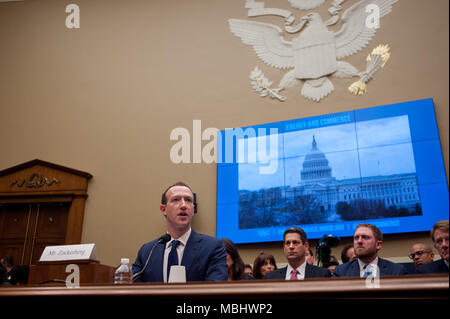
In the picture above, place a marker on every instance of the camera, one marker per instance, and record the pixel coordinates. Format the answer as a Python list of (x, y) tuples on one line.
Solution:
[(323, 248)]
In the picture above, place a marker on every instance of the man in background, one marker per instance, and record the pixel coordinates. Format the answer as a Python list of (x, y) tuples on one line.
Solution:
[(421, 254), (248, 270), (204, 257), (367, 241), (295, 244), (310, 259), (348, 253), (439, 236)]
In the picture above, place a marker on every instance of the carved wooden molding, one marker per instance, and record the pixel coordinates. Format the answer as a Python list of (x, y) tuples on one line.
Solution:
[(36, 180)]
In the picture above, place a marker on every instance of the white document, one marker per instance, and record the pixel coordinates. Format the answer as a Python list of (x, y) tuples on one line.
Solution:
[(69, 252)]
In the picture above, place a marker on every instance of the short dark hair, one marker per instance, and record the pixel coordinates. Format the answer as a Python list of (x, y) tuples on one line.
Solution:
[(296, 230), (344, 256), (163, 196)]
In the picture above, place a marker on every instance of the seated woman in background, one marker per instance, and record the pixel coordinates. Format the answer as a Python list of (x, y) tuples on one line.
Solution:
[(263, 264), (235, 264)]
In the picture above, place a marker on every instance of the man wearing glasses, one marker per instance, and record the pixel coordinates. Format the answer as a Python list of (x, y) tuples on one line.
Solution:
[(421, 254), (295, 244)]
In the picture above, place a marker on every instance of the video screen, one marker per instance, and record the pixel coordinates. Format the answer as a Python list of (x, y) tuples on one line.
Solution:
[(381, 165)]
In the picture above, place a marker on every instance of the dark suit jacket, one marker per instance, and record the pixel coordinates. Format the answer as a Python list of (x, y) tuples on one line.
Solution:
[(410, 268), (435, 267), (204, 258), (351, 269), (311, 271)]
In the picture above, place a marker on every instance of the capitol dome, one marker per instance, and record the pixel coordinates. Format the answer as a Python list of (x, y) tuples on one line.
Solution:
[(315, 166)]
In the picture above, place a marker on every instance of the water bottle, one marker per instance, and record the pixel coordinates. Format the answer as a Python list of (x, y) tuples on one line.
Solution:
[(123, 274)]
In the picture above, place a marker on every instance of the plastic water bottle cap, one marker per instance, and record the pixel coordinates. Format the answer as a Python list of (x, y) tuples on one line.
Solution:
[(125, 260)]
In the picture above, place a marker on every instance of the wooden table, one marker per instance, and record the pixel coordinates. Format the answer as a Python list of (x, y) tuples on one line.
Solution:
[(322, 294)]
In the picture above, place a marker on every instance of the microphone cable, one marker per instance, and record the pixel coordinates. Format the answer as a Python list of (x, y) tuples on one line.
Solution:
[(163, 239)]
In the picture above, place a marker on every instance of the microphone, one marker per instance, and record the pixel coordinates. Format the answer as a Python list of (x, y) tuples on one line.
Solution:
[(163, 239)]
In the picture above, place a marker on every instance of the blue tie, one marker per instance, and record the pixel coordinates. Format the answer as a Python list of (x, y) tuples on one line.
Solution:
[(173, 257), (368, 270)]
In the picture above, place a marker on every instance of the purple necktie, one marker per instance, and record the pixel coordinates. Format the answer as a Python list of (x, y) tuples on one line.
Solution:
[(294, 274)]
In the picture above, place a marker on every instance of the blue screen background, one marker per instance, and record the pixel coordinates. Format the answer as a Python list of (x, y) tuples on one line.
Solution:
[(426, 158)]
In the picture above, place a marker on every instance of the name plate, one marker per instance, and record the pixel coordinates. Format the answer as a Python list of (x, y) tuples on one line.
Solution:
[(69, 252)]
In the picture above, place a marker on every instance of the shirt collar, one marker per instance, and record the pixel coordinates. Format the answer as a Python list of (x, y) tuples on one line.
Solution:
[(373, 263), (301, 269), (183, 238)]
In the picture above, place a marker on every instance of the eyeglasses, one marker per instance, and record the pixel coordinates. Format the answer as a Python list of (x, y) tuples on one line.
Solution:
[(418, 253)]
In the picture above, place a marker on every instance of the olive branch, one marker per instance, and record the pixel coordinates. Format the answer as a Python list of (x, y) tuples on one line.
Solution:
[(262, 85)]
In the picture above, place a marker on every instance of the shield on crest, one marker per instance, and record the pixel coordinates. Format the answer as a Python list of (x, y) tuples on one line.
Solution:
[(314, 53)]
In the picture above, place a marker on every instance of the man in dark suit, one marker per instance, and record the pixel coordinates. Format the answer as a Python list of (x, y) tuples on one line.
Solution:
[(295, 244), (439, 236), (367, 241), (204, 257)]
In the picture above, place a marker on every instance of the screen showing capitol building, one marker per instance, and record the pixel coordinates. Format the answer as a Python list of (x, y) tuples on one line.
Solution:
[(328, 173), (333, 182)]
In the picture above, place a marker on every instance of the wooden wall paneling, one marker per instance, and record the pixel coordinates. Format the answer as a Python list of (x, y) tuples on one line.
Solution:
[(41, 204)]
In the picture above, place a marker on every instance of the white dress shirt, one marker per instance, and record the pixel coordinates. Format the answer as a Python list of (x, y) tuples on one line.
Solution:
[(373, 267), (300, 271), (180, 250)]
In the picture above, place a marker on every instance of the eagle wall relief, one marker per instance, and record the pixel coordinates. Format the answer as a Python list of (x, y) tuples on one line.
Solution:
[(314, 53)]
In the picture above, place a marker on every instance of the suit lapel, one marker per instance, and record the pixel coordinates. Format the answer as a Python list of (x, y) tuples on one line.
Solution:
[(355, 271), (382, 266), (443, 265), (156, 263), (283, 272), (308, 271), (190, 251)]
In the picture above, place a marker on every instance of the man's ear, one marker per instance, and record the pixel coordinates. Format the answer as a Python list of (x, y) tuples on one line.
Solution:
[(162, 208), (379, 244), (306, 246)]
